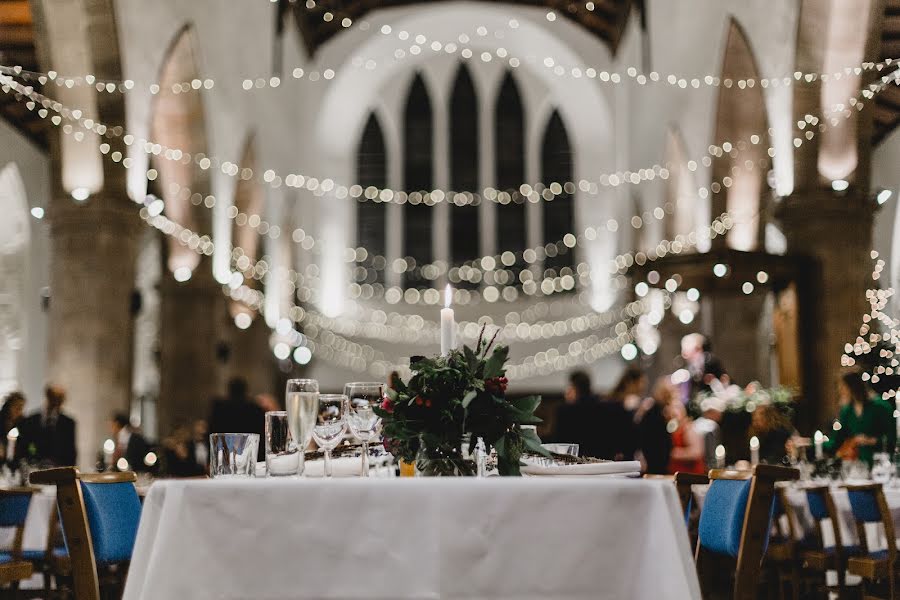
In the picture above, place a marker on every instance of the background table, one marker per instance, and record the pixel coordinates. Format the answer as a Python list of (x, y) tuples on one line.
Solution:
[(412, 538)]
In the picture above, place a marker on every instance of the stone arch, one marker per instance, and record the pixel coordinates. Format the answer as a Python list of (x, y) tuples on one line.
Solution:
[(249, 200), (15, 240), (688, 211), (741, 168), (177, 121)]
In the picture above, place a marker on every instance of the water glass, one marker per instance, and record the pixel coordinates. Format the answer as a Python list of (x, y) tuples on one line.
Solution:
[(362, 398), (301, 398), (282, 454), (233, 454), (330, 425)]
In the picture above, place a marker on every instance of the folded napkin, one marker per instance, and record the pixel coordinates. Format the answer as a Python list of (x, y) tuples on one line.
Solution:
[(621, 468)]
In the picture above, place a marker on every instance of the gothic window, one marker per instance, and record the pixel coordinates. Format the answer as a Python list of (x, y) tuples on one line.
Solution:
[(556, 168), (464, 157), (371, 170), (509, 144), (418, 178)]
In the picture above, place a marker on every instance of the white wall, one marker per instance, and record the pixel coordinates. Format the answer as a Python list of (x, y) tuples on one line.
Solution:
[(34, 169)]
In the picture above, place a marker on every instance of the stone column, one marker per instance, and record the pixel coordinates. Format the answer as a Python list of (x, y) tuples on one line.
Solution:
[(249, 357), (92, 275), (835, 231), (191, 314)]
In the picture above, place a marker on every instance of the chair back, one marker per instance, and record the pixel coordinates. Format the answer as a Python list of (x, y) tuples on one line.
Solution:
[(868, 505), (100, 516), (822, 507), (14, 505), (736, 521), (684, 483), (784, 519)]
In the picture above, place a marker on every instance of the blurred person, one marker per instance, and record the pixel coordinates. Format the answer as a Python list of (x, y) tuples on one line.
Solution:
[(237, 413), (701, 364), (177, 455), (199, 444), (867, 422), (708, 427), (774, 431), (616, 415), (577, 418), (10, 418), (688, 453), (631, 389), (130, 444), (48, 436), (653, 438)]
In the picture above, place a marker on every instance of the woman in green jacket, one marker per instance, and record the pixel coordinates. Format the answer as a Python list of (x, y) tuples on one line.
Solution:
[(867, 423)]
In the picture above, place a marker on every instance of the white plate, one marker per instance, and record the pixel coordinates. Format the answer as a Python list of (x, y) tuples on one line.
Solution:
[(625, 467)]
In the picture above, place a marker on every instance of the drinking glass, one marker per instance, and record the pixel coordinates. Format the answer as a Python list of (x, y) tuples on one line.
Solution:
[(362, 398), (301, 398), (560, 448), (330, 425), (233, 454), (282, 454)]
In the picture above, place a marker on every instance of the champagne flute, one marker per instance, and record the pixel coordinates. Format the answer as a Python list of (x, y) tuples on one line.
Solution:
[(330, 425), (302, 402), (362, 398)]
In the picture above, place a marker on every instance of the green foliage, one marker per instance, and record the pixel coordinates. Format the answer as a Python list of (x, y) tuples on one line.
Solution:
[(456, 398)]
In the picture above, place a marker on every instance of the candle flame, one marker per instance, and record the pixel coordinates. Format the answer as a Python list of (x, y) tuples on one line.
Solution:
[(754, 443), (13, 433), (448, 296), (818, 436), (720, 451)]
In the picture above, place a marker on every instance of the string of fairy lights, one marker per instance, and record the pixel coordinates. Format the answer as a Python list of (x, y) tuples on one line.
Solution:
[(338, 344)]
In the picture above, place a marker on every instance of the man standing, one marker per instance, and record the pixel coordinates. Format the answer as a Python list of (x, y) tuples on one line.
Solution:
[(48, 436), (130, 444)]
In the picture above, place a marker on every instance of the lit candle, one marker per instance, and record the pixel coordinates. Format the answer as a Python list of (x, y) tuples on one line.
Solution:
[(11, 438), (754, 450), (720, 456), (109, 448), (448, 324), (818, 439)]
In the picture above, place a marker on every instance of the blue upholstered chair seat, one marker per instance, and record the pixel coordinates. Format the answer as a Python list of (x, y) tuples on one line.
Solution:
[(38, 555), (722, 518), (5, 557)]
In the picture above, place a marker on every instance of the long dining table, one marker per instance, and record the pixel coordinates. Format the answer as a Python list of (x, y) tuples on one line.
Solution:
[(498, 538)]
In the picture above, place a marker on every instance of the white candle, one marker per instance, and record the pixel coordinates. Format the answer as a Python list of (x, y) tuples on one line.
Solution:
[(818, 439), (754, 450), (720, 456), (448, 324), (11, 438)]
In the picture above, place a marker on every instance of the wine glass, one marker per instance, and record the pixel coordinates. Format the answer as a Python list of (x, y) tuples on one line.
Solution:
[(330, 425), (362, 398), (301, 399)]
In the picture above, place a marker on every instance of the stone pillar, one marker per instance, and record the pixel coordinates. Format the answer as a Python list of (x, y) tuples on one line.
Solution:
[(249, 357), (92, 275), (191, 314), (737, 323), (835, 231)]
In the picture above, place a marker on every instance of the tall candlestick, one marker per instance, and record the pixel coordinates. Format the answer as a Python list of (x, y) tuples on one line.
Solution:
[(448, 324), (11, 438), (754, 450), (818, 439)]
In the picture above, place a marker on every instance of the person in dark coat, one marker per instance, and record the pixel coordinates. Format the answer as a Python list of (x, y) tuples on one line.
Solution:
[(652, 422), (48, 437), (238, 413)]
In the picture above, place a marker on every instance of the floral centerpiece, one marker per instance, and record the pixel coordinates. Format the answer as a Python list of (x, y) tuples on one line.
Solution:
[(736, 399), (451, 401)]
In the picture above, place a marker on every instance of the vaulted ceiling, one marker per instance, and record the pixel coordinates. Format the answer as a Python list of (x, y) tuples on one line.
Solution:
[(17, 49), (604, 18)]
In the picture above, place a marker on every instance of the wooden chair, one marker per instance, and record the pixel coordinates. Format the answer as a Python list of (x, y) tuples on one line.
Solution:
[(684, 483), (734, 526), (783, 552), (100, 514), (817, 557), (14, 505), (869, 506)]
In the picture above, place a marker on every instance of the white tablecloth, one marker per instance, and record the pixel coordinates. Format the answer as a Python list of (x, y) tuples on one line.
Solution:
[(468, 538), (37, 523)]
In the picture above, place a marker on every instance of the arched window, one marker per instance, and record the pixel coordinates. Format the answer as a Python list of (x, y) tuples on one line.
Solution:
[(509, 142), (417, 177), (559, 213), (371, 170), (464, 157)]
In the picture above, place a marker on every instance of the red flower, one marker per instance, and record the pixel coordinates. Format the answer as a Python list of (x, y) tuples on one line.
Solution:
[(419, 401), (428, 404), (496, 385), (387, 405)]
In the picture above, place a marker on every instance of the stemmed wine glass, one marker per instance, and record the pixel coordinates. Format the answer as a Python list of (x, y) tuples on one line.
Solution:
[(330, 425), (301, 399), (363, 397)]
